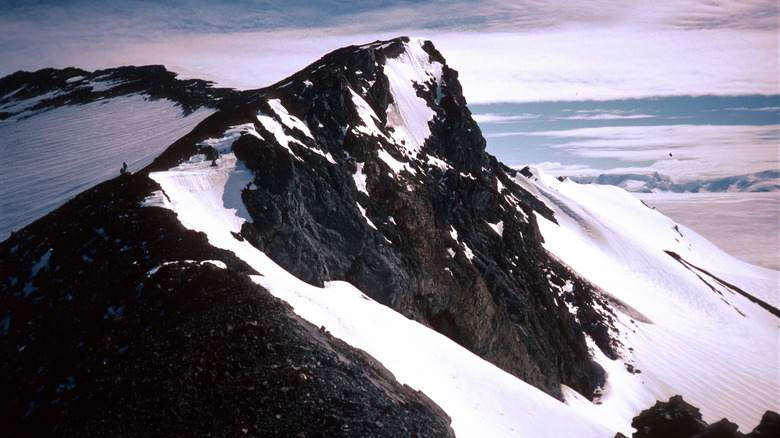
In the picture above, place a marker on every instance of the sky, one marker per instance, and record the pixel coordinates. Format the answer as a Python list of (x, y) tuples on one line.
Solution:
[(505, 51), (683, 137)]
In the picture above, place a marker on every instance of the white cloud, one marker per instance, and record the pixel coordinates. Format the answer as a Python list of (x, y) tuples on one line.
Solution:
[(611, 63)]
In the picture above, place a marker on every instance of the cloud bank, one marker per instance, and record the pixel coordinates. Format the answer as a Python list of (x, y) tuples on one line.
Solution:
[(697, 151), (504, 50)]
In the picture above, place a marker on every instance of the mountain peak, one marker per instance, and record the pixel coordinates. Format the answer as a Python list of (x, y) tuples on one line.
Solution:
[(367, 167)]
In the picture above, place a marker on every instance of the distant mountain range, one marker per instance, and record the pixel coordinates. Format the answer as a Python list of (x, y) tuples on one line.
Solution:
[(338, 255)]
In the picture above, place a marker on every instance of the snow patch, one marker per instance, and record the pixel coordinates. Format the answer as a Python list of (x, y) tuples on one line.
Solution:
[(5, 324), (367, 117), (223, 144), (277, 130), (197, 178), (218, 263), (157, 199), (43, 263), (288, 120), (363, 212), (394, 164), (409, 114), (467, 251), (360, 179), (498, 227), (283, 119), (100, 86)]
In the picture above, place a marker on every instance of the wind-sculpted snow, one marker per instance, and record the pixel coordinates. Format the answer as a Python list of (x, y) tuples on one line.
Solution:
[(702, 323)]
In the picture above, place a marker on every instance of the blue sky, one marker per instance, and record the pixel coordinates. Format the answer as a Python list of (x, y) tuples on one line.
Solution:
[(708, 136), (520, 51)]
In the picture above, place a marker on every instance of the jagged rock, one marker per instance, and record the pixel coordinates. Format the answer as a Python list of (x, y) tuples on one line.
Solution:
[(769, 426), (673, 419), (721, 429), (679, 419)]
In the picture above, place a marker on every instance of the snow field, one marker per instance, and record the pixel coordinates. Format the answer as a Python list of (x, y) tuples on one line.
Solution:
[(48, 159), (706, 342)]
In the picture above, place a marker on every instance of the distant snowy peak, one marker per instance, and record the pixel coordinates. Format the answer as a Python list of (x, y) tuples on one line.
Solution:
[(24, 94)]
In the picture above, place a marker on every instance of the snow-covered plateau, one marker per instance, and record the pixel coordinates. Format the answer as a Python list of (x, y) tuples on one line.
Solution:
[(683, 316)]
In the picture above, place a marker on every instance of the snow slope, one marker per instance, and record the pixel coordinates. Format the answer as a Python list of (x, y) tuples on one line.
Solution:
[(54, 155), (702, 337)]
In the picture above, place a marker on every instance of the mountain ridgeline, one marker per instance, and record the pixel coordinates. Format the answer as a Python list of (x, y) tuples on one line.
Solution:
[(366, 167)]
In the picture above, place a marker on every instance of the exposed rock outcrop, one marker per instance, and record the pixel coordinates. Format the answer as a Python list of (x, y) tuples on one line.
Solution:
[(367, 167), (679, 419)]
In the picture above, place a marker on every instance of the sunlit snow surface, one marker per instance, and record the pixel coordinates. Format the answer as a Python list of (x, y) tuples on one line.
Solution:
[(52, 156), (706, 342), (409, 115), (745, 225)]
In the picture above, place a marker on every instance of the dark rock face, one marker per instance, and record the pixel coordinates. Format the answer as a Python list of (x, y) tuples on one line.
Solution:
[(672, 419), (428, 251), (769, 426), (114, 324), (679, 419)]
